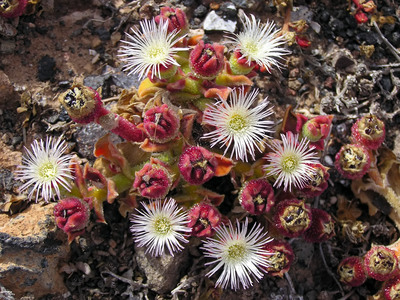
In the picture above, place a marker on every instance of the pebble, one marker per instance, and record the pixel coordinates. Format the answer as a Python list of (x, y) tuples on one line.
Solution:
[(240, 3), (229, 10), (328, 160), (7, 47), (213, 22), (200, 11), (46, 68)]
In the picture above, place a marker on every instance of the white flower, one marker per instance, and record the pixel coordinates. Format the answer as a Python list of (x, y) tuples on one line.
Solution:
[(46, 168), (150, 49), (238, 124), (160, 225), (240, 254), (290, 162), (260, 43)]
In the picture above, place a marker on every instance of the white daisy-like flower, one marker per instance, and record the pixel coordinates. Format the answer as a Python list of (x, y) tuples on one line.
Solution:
[(160, 225), (239, 254), (46, 168), (239, 124), (290, 162), (150, 49), (260, 43)]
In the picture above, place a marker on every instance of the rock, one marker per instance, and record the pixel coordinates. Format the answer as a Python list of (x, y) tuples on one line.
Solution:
[(31, 248), (163, 273), (46, 68), (9, 158), (228, 10), (213, 22), (7, 94), (200, 11), (240, 3), (7, 46), (86, 137)]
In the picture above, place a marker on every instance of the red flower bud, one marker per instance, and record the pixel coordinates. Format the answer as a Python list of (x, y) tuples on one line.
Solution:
[(207, 60), (322, 227), (369, 131), (153, 181), (12, 8), (203, 219), (317, 130), (391, 288), (381, 263), (369, 7), (292, 217), (257, 196), (197, 165), (176, 18), (352, 161), (281, 257), (361, 17), (161, 124), (318, 183), (351, 271), (72, 216), (302, 41)]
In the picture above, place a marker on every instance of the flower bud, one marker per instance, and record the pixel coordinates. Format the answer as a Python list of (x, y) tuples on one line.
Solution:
[(82, 103), (381, 263), (239, 65), (292, 217), (12, 8), (318, 183), (72, 216), (352, 161), (281, 257), (207, 60), (391, 288), (203, 219), (176, 18), (153, 181), (322, 227), (317, 129), (302, 41), (361, 17), (351, 271), (257, 196), (161, 124), (197, 165), (369, 131)]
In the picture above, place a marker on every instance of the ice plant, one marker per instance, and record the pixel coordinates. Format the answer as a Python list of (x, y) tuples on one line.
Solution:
[(207, 60), (151, 50), (317, 130), (238, 124), (351, 271), (46, 168), (257, 196), (240, 254), (292, 217), (290, 162), (197, 165), (381, 263), (259, 43), (369, 131), (161, 225), (318, 183), (176, 18), (204, 218), (153, 181), (12, 8), (391, 288), (161, 123), (280, 258), (322, 227), (72, 216), (352, 161)]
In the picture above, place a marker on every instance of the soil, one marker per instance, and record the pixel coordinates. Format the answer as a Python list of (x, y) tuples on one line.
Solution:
[(68, 39)]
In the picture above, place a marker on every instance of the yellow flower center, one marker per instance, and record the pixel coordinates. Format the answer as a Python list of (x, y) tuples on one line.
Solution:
[(162, 225), (251, 48), (290, 164), (238, 123), (236, 252), (156, 54), (47, 171)]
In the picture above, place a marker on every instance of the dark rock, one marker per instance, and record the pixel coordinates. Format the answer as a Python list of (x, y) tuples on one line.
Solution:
[(394, 38), (240, 3), (386, 83), (370, 38), (189, 3), (103, 33), (95, 81), (46, 68), (7, 181), (200, 11), (336, 25), (86, 137), (228, 10), (325, 16), (16, 140)]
